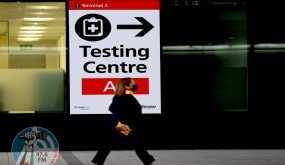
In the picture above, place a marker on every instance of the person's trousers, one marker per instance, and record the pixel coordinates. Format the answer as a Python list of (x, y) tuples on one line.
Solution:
[(134, 140)]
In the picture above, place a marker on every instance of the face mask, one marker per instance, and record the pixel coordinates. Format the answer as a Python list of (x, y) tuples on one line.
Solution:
[(135, 87)]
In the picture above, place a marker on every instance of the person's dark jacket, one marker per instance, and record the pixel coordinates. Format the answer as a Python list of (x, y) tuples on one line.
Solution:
[(125, 109)]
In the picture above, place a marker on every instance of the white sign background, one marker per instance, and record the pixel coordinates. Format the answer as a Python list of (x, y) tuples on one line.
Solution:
[(98, 104)]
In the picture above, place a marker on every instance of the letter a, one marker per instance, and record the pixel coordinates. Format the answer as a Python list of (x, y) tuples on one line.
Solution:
[(109, 86)]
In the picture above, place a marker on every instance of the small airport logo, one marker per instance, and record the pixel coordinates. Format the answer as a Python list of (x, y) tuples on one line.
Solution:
[(35, 146)]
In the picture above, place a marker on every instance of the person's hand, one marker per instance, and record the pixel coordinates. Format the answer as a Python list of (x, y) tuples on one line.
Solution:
[(122, 127)]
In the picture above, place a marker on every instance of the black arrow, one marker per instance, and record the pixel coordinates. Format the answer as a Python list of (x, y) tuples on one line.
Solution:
[(145, 26)]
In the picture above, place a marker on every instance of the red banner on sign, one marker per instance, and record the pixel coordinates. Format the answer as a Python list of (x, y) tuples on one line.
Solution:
[(113, 4), (106, 86)]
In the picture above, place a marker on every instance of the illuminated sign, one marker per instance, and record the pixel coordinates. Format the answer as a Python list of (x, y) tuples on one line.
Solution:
[(109, 40)]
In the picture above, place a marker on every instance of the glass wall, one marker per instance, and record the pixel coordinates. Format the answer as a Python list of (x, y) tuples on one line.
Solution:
[(212, 42), (212, 37), (32, 57)]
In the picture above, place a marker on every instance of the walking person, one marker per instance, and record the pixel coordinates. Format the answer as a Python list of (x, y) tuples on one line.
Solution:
[(125, 123)]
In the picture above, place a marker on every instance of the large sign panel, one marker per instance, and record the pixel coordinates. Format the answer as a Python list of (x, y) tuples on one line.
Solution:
[(108, 40)]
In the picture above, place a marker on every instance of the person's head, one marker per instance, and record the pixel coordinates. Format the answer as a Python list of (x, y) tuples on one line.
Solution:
[(125, 84)]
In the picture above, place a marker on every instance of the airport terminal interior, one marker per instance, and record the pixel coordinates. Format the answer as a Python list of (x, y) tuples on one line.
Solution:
[(221, 80)]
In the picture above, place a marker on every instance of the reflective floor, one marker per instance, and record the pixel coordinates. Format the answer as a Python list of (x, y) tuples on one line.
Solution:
[(170, 157)]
